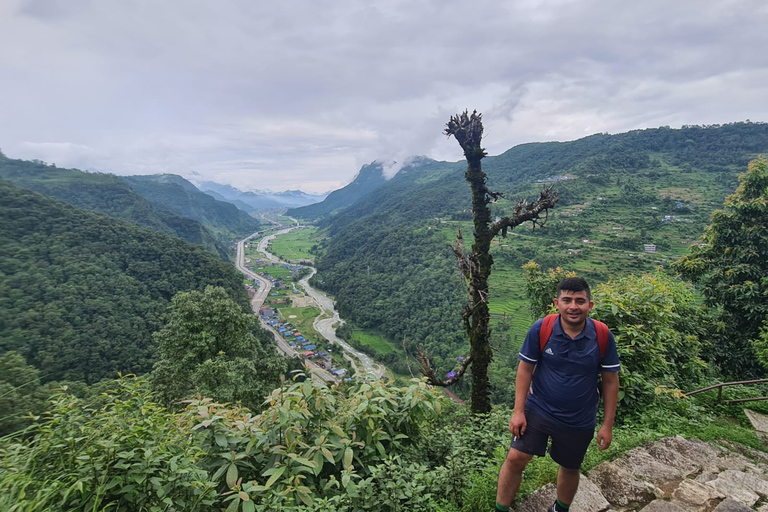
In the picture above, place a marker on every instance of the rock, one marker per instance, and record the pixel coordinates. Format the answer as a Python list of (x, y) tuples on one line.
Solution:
[(754, 455), (758, 421), (539, 500), (662, 506), (620, 487), (670, 475), (707, 476), (695, 496), (671, 457), (729, 505), (746, 480), (643, 466), (735, 462), (732, 484), (589, 498), (698, 451)]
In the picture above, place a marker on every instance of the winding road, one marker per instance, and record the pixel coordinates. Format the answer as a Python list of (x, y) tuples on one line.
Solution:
[(256, 302), (364, 365)]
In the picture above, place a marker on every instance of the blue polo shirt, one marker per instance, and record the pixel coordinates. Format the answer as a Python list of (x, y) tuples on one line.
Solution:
[(564, 385)]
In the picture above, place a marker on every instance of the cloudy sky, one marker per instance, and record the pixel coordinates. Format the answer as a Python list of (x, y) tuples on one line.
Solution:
[(296, 94)]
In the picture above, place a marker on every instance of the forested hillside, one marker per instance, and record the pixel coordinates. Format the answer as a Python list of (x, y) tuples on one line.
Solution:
[(369, 178), (368, 445), (174, 194), (81, 293), (105, 193), (617, 194)]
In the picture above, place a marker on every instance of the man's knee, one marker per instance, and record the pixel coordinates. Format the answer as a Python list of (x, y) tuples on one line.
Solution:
[(517, 460)]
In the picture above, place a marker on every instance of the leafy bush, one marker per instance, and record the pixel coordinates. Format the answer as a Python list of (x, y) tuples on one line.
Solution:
[(317, 444), (129, 455), (658, 331)]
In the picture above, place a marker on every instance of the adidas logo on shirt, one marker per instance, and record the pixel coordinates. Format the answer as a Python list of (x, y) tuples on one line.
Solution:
[(549, 351)]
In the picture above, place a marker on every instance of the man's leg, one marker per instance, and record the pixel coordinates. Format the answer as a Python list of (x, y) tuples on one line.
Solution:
[(567, 484), (568, 449), (510, 475)]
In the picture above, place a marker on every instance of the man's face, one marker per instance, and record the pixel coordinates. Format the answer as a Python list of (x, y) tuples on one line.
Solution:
[(574, 307)]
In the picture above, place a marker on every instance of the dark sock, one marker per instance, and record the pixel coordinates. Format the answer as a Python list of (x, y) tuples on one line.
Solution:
[(561, 507), (501, 508)]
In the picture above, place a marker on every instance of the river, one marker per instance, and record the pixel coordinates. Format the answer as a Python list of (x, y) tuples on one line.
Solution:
[(328, 317)]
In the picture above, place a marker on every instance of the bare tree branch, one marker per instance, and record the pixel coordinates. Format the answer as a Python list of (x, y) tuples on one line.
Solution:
[(524, 212), (426, 369)]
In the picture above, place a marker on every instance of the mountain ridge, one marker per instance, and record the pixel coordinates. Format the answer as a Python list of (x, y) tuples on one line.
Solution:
[(618, 193), (258, 200), (175, 194), (105, 193)]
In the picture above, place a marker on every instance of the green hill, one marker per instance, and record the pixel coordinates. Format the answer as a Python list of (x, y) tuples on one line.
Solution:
[(369, 178), (618, 193), (81, 293), (174, 194), (105, 193)]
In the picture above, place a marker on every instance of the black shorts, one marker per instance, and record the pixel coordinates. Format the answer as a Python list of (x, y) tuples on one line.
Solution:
[(568, 445)]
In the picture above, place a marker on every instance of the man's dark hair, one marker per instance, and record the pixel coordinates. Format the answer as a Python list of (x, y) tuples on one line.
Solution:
[(574, 284)]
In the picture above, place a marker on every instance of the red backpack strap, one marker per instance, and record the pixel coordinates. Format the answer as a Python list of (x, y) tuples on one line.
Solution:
[(602, 336), (546, 330)]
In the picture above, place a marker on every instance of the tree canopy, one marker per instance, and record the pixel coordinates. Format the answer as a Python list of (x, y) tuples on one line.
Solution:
[(208, 346), (81, 293), (731, 266)]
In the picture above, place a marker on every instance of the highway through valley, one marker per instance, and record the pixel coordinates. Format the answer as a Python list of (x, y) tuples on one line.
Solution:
[(258, 300), (323, 324)]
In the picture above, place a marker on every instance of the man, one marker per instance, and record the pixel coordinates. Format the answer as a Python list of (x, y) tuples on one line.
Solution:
[(559, 400)]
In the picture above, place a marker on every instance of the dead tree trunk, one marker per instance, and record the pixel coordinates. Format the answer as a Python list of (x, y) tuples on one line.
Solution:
[(476, 266)]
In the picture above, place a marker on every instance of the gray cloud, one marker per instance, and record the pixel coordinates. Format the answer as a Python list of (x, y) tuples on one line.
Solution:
[(287, 95)]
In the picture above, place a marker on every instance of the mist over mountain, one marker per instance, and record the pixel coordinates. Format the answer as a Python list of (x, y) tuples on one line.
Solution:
[(259, 200), (371, 177)]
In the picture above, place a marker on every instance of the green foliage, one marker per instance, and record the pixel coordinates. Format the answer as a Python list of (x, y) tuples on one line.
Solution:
[(344, 331), (174, 194), (541, 287), (107, 194), (659, 335), (128, 455), (81, 293), (21, 394), (208, 347), (412, 293), (624, 186), (731, 268), (369, 446), (761, 344), (313, 444)]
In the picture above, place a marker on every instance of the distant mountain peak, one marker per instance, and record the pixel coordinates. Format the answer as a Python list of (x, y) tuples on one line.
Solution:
[(260, 199)]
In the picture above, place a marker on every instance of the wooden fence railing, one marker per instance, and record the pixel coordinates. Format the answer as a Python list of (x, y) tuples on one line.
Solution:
[(720, 387)]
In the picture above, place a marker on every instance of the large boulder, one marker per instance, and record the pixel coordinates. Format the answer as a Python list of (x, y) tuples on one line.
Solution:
[(621, 488)]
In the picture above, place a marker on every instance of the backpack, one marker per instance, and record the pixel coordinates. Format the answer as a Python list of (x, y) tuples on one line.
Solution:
[(546, 332)]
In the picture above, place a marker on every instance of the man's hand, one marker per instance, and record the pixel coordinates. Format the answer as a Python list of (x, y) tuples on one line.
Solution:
[(518, 423), (604, 437)]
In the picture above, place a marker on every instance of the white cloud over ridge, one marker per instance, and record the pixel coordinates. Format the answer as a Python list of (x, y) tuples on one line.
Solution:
[(283, 95)]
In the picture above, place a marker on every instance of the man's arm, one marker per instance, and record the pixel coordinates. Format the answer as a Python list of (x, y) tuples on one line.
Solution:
[(610, 400), (517, 423)]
